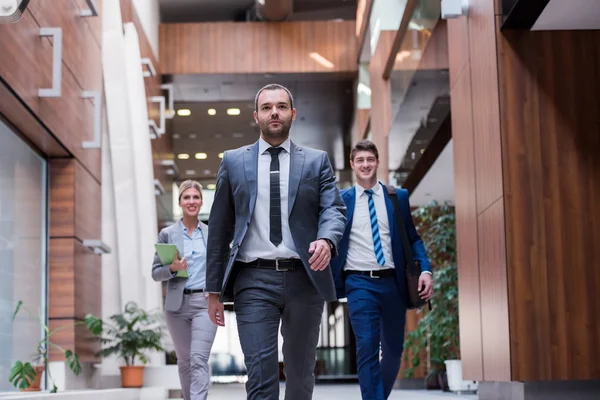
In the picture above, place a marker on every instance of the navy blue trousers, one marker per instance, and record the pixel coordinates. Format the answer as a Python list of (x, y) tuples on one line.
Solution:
[(377, 314)]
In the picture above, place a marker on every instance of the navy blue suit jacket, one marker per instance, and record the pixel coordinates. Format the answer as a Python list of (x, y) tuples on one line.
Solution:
[(418, 248)]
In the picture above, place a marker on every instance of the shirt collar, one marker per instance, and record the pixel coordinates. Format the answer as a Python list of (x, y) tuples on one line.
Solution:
[(263, 145), (360, 190), (185, 229)]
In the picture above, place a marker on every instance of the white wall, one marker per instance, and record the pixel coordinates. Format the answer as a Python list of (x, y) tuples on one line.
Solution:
[(129, 209), (149, 13)]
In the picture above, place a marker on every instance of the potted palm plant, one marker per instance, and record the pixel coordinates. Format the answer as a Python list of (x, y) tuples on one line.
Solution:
[(437, 332), (128, 336), (27, 376)]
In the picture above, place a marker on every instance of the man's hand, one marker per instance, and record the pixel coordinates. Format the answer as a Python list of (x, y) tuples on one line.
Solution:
[(179, 264), (425, 286), (216, 311), (321, 255)]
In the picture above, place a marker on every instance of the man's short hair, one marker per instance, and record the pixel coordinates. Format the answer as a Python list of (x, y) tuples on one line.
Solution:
[(273, 86), (364, 145)]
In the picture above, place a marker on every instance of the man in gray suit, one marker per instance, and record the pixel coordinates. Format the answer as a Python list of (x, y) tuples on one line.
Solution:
[(276, 220)]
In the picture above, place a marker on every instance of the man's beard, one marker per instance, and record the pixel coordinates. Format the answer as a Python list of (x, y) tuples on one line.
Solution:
[(283, 131)]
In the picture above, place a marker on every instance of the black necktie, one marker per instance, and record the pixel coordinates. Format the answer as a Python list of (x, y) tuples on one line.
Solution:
[(275, 198)]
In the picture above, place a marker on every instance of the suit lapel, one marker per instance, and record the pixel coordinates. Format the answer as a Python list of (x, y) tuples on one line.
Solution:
[(389, 205), (296, 167), (250, 169), (204, 230), (350, 198)]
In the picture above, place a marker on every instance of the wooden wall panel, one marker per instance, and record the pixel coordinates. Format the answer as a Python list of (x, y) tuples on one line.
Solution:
[(494, 298), (94, 23), (257, 47), (88, 282), (29, 67), (26, 123), (486, 113), (466, 227), (75, 201), (479, 195), (88, 205), (458, 49), (61, 278), (76, 338), (381, 101), (62, 198), (81, 52), (435, 55), (69, 117), (550, 130)]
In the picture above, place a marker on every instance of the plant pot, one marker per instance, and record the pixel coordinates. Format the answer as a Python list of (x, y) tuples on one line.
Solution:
[(35, 385), (132, 376), (455, 379)]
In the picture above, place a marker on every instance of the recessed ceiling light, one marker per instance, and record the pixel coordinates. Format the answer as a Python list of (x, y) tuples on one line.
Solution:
[(190, 172), (212, 111), (218, 136), (233, 111), (192, 136), (237, 135), (176, 136), (183, 156), (206, 171), (220, 155), (170, 171), (184, 112), (211, 186), (200, 156)]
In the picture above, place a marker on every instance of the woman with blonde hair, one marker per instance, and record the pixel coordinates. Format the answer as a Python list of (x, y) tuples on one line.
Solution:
[(186, 305)]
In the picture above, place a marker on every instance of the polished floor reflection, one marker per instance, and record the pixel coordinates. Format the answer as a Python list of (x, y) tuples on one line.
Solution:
[(335, 392)]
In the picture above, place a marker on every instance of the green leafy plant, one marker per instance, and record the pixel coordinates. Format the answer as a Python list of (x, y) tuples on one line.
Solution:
[(23, 374), (130, 334), (437, 332)]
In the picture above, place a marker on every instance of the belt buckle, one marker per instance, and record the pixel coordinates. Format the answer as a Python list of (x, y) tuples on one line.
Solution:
[(373, 276), (277, 266)]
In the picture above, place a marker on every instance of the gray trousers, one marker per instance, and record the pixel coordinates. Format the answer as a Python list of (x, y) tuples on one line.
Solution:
[(193, 335), (262, 299)]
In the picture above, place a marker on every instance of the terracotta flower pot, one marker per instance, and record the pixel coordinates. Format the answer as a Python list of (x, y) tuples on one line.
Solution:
[(132, 376), (35, 385)]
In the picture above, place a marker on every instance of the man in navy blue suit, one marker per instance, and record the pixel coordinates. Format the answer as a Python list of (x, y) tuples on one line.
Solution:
[(369, 271)]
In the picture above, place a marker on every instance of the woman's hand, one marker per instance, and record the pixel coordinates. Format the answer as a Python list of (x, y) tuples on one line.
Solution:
[(179, 264)]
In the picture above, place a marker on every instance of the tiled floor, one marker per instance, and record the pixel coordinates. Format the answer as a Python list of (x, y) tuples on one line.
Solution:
[(336, 392)]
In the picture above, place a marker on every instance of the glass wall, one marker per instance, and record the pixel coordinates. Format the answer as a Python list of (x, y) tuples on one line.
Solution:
[(23, 242)]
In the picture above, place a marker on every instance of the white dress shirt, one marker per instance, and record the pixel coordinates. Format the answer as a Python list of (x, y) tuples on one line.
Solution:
[(361, 253), (256, 243)]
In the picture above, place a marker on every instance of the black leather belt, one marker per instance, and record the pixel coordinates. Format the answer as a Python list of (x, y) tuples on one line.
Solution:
[(282, 264), (191, 291), (381, 273)]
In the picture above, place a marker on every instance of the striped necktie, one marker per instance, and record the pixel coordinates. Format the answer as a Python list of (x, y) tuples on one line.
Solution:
[(375, 229)]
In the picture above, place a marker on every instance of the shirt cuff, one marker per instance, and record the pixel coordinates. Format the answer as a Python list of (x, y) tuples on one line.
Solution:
[(427, 272)]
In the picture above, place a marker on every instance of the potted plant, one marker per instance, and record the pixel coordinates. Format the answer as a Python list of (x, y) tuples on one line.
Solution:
[(437, 332), (27, 376), (128, 336)]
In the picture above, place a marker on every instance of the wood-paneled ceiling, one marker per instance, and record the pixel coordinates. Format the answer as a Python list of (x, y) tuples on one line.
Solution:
[(173, 11)]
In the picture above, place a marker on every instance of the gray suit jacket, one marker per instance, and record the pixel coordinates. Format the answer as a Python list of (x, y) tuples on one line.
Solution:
[(175, 285), (315, 207)]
